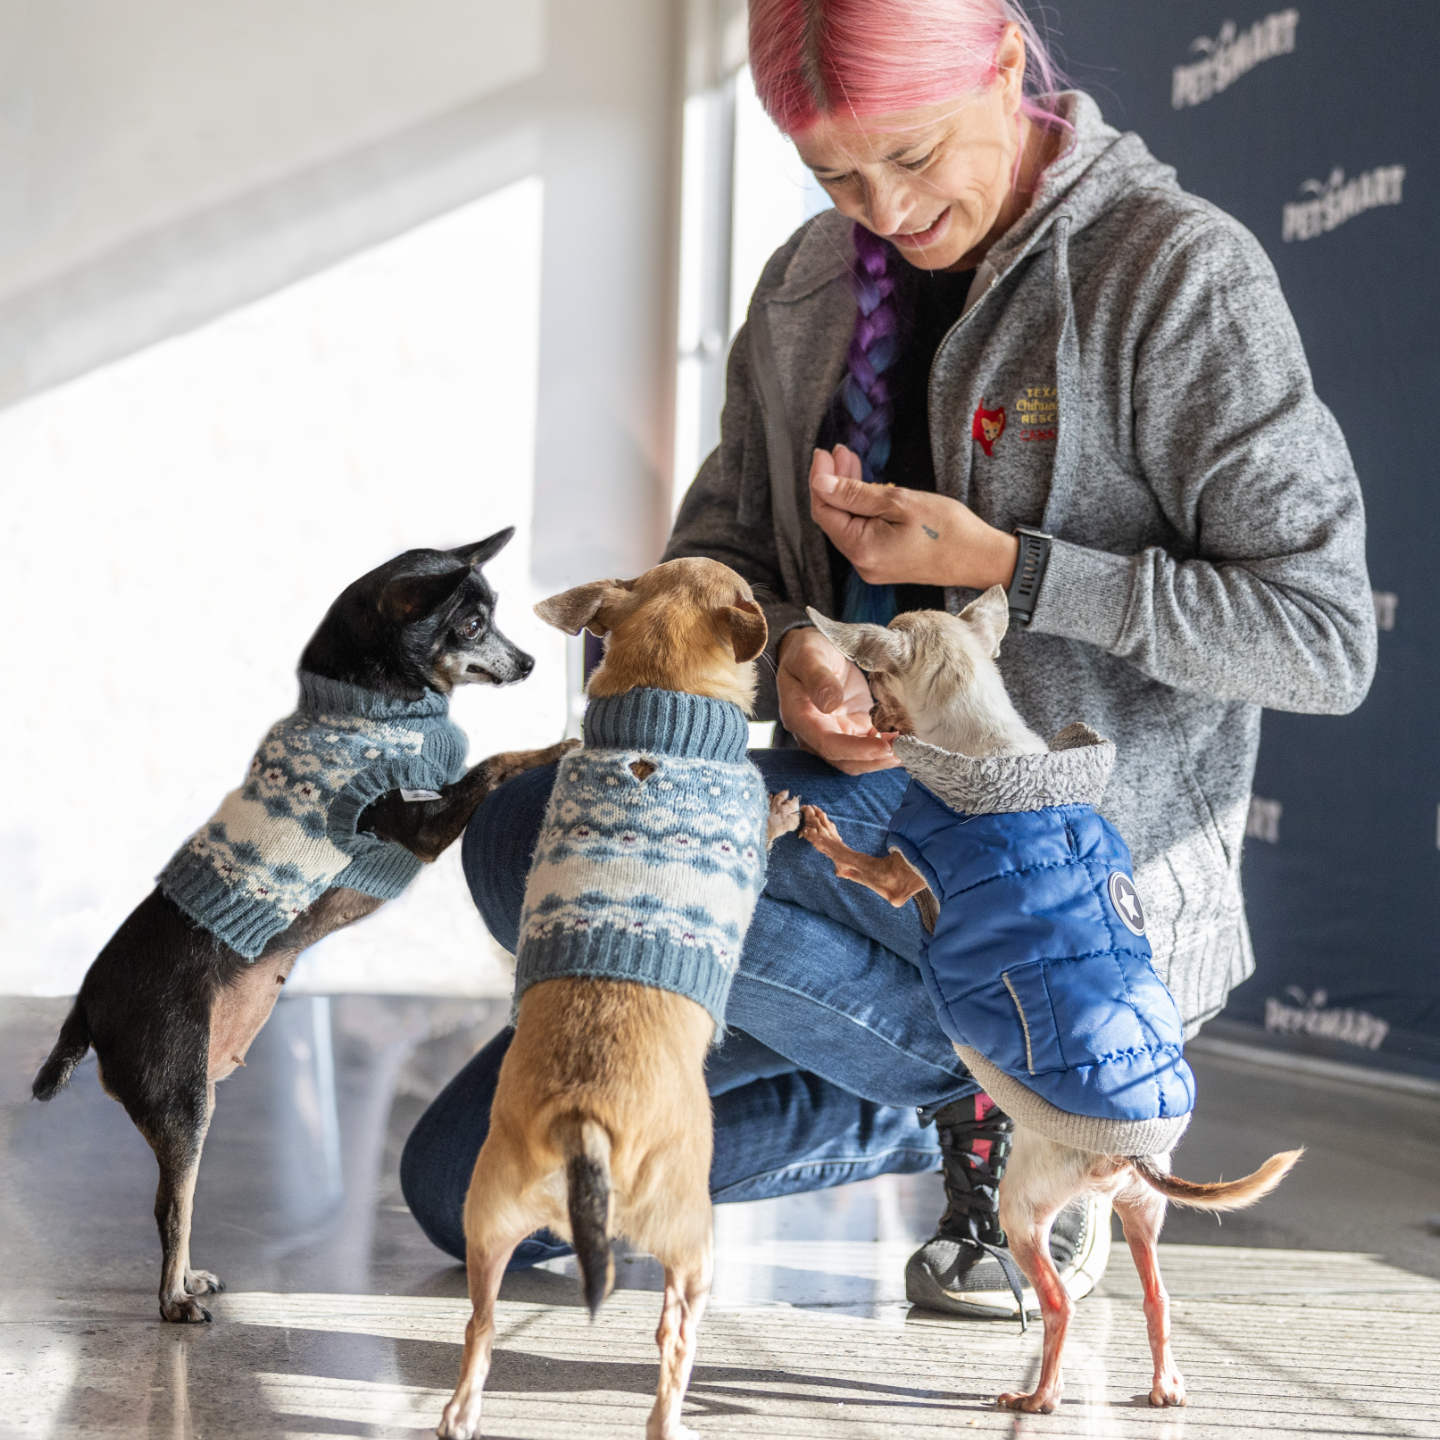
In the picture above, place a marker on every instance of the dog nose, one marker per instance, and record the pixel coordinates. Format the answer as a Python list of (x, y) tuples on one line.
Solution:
[(527, 664)]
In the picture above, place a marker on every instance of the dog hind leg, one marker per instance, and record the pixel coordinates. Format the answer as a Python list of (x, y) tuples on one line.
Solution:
[(485, 1268), (687, 1288), (1031, 1252), (177, 1143), (1040, 1178), (1142, 1213)]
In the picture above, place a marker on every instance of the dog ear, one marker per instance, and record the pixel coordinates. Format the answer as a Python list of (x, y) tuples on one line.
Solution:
[(871, 647), (580, 609), (412, 597), (990, 615), (472, 555), (743, 625)]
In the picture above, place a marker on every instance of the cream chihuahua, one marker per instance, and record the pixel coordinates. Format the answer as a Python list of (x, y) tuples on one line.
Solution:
[(601, 1123), (934, 677)]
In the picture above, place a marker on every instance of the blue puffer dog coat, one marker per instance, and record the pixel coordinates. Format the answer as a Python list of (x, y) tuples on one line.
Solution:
[(1038, 965)]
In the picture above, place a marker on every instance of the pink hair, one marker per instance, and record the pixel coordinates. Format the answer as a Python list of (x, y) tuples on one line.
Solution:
[(812, 58)]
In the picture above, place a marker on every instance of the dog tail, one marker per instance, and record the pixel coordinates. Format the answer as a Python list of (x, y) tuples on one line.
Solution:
[(586, 1147), (69, 1051), (1219, 1194)]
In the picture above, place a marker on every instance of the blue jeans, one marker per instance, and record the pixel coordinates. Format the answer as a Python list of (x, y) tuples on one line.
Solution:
[(832, 1059)]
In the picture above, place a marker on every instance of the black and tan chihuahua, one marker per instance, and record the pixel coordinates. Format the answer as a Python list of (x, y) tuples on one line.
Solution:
[(168, 1007)]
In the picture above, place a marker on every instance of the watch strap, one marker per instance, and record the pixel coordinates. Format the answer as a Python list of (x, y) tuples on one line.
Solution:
[(1030, 566)]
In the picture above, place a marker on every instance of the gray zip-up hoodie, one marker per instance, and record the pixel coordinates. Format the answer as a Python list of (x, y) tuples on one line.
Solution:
[(1161, 423)]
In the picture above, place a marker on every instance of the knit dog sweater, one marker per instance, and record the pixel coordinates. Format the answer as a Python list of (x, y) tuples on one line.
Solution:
[(652, 879), (1038, 966), (288, 834)]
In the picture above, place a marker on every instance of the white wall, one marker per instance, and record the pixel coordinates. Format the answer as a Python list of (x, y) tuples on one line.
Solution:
[(177, 523), (241, 370), (162, 162)]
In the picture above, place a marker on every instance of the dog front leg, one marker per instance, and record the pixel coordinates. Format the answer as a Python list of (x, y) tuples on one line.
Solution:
[(1142, 1213), (427, 828), (890, 876), (782, 818), (686, 1291)]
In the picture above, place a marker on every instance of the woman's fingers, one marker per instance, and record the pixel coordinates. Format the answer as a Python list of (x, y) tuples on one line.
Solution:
[(850, 493), (847, 463), (825, 704), (854, 754), (817, 668)]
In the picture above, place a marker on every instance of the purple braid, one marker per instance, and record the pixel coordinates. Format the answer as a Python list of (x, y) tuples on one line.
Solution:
[(873, 349)]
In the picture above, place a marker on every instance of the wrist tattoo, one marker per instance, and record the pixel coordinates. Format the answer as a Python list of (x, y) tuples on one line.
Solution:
[(933, 534)]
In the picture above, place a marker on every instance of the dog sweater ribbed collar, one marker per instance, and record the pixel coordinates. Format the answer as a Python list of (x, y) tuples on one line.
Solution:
[(651, 877), (668, 722)]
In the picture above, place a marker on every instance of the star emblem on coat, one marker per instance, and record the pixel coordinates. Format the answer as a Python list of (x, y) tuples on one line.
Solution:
[(1126, 901)]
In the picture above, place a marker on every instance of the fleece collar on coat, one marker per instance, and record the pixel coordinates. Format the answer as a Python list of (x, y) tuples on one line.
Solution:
[(1074, 771)]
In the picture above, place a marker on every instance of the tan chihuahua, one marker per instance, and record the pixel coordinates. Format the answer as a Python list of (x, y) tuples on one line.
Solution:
[(601, 1124), (934, 678)]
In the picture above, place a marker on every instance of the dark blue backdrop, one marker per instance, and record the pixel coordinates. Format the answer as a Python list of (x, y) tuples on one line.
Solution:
[(1342, 870)]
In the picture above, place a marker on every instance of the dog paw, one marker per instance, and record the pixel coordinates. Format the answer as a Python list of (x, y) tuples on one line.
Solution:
[(1167, 1390), (784, 816), (1036, 1404), (203, 1282), (185, 1311), (677, 1431), (455, 1424), (818, 828)]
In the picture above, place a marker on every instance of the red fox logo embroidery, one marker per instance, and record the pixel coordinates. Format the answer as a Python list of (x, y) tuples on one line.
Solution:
[(988, 427)]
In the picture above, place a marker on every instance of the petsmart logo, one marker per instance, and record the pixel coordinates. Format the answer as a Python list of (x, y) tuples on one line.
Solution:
[(1339, 200), (1231, 55), (1311, 1017)]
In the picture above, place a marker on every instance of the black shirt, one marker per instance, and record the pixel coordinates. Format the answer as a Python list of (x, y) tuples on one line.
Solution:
[(931, 301)]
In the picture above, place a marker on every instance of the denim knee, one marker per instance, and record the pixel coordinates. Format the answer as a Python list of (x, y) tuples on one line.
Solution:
[(439, 1156), (498, 846)]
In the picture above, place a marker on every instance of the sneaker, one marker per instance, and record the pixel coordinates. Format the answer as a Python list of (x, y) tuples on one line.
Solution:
[(966, 1269)]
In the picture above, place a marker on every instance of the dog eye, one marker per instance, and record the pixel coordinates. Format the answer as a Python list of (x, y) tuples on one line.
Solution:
[(471, 628)]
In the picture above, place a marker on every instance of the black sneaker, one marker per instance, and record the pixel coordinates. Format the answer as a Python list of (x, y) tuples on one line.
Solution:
[(966, 1269)]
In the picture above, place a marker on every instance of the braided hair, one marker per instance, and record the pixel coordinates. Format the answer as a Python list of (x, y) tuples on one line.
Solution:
[(865, 393)]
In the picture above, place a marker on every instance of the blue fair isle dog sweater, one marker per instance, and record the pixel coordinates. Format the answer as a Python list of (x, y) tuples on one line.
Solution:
[(288, 834), (655, 879)]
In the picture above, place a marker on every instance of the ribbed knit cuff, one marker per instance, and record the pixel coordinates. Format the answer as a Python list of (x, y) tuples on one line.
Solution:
[(668, 722), (612, 953), (1084, 595), (319, 695), (227, 912)]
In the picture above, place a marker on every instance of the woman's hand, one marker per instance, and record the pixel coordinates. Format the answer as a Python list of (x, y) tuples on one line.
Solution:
[(825, 704), (894, 536)]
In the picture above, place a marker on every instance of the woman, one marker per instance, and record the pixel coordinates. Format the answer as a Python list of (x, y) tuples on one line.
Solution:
[(1081, 383)]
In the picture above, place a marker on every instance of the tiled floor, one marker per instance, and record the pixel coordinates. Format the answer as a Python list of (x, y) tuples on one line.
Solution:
[(1318, 1313)]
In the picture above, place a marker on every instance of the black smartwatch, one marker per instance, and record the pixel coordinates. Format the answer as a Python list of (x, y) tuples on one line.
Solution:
[(1030, 566)]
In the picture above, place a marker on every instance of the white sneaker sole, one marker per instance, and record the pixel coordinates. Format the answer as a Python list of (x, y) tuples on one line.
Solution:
[(1083, 1274)]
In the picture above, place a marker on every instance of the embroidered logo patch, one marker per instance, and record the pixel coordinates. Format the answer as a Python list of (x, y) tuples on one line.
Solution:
[(1037, 411), (1126, 902), (988, 426)]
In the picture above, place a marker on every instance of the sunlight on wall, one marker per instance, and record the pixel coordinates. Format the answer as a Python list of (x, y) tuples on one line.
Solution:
[(177, 523), (774, 195)]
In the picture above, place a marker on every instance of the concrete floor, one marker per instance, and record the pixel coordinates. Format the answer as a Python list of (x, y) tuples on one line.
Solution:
[(1317, 1313)]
